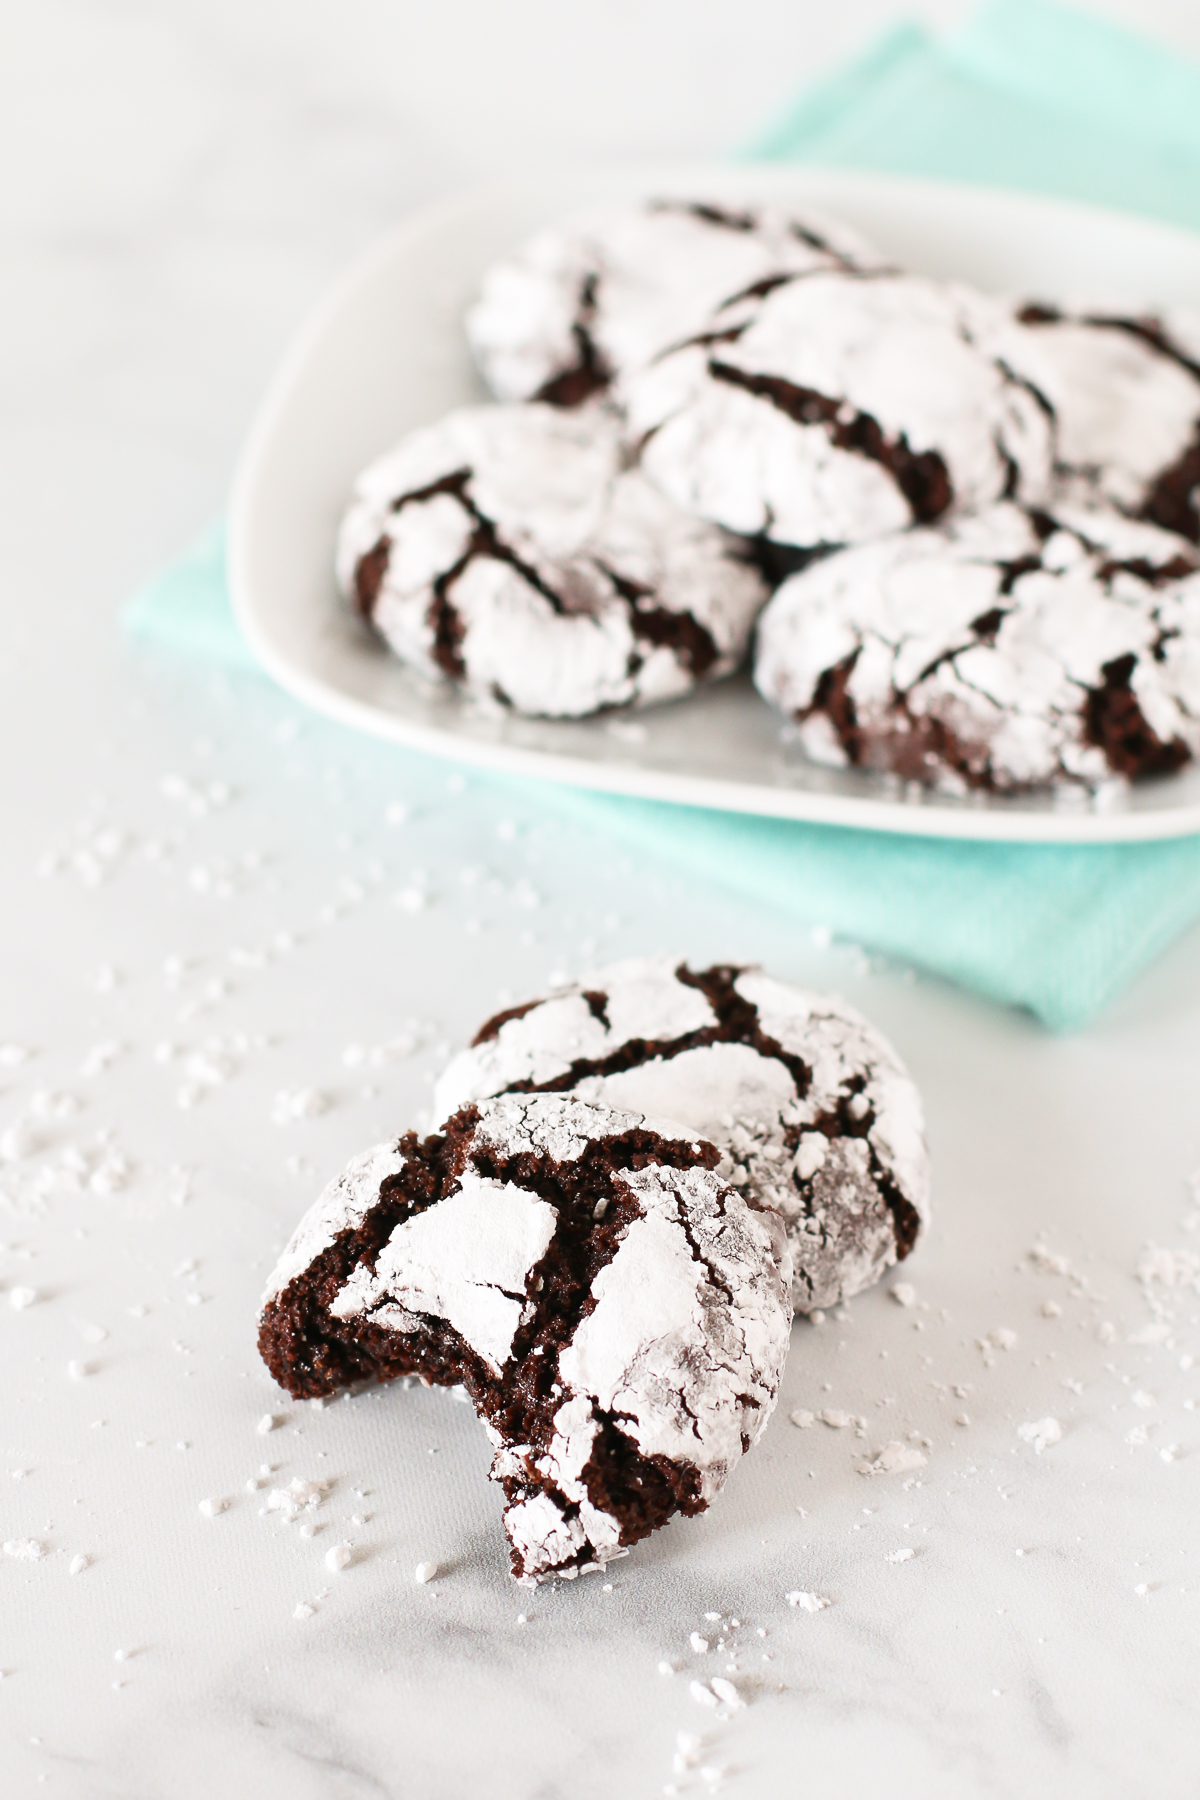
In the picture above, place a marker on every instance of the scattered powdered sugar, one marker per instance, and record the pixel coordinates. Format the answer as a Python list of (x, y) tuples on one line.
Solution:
[(1041, 1433), (808, 1601), (18, 1142), (79, 1564), (395, 1049), (24, 1549), (211, 1508), (298, 1497), (299, 1103), (838, 1420), (903, 1293), (20, 1298), (339, 1557), (303, 1610), (1169, 1268), (51, 1106), (901, 1556), (803, 1418), (425, 1571), (894, 1459)]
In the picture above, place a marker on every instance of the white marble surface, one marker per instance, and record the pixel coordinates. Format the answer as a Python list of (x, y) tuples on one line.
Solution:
[(189, 862)]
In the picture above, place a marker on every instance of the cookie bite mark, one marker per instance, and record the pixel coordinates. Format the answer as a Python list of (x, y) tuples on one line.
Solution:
[(309, 1352), (312, 1352), (922, 477), (617, 1315)]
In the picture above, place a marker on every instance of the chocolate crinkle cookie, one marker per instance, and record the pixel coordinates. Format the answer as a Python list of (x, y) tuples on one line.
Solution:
[(1014, 651), (618, 1314), (506, 550), (1124, 390), (813, 1112), (838, 406), (608, 289)]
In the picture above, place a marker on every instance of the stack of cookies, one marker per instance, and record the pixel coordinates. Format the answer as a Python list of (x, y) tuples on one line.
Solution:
[(962, 530), (637, 1180)]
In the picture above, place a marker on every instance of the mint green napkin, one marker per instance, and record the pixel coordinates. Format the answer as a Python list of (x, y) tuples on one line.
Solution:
[(1029, 95)]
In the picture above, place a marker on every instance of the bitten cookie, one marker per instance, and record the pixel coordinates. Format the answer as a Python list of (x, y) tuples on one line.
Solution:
[(1011, 651), (1125, 393), (506, 550), (607, 290), (617, 1313), (814, 1113), (837, 407)]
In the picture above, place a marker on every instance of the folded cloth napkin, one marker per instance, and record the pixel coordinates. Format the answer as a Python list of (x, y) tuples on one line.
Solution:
[(1029, 95)]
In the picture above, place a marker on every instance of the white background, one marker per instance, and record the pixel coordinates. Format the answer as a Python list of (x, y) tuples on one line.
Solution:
[(194, 872)]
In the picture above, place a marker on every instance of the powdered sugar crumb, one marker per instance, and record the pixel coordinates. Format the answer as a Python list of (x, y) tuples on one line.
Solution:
[(1041, 1433), (808, 1601)]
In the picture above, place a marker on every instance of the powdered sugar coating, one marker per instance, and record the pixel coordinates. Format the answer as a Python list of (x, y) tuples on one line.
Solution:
[(686, 1345), (341, 1207), (1125, 393), (1012, 650), (609, 289), (464, 1260), (671, 1351), (507, 550), (812, 1109), (835, 408)]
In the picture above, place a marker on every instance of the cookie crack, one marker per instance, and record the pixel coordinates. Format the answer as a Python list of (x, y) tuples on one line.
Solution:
[(682, 633), (590, 373), (921, 477), (1115, 723)]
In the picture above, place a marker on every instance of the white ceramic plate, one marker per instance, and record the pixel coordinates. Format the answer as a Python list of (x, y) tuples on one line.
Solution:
[(386, 352)]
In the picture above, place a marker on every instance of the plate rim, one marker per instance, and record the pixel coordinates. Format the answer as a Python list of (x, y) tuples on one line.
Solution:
[(932, 817)]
